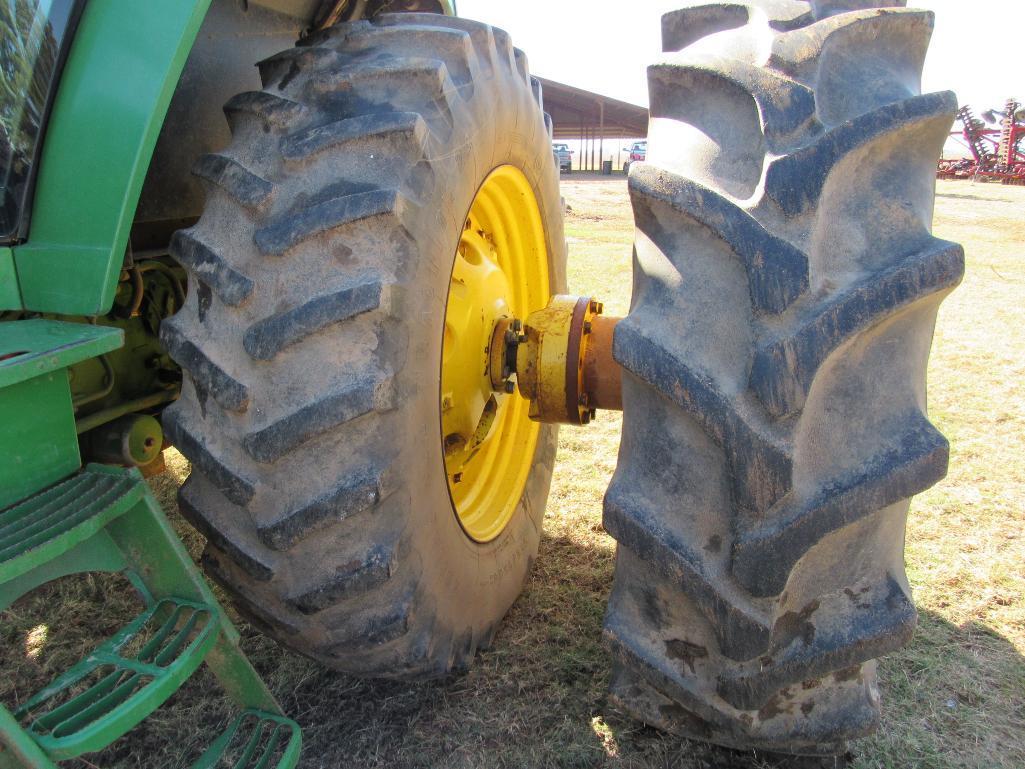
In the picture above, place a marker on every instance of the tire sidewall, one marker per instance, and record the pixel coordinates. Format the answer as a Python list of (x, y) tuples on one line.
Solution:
[(472, 584)]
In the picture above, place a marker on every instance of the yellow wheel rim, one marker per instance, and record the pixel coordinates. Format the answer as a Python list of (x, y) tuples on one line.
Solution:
[(500, 271)]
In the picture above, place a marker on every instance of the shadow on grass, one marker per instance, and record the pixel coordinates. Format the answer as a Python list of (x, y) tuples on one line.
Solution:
[(537, 698), (983, 198)]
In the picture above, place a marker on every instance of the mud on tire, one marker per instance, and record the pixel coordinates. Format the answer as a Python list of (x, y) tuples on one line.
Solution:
[(786, 289), (312, 337)]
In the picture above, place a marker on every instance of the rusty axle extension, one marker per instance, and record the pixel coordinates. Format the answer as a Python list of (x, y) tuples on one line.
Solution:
[(561, 357)]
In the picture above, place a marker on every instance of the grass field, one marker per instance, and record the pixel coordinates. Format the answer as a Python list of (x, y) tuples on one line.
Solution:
[(954, 698)]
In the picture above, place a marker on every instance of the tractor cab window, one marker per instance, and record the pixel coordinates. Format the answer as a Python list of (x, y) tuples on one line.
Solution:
[(32, 36)]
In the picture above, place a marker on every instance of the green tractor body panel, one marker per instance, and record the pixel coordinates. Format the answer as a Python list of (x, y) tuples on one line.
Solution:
[(121, 72), (10, 297), (40, 444)]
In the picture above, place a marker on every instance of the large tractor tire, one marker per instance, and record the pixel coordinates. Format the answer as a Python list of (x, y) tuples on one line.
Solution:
[(388, 176), (786, 289)]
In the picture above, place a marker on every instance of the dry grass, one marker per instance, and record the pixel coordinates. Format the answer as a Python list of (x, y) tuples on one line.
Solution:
[(954, 698)]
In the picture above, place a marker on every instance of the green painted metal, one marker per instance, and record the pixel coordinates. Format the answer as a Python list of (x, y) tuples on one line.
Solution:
[(49, 524), (40, 442), (123, 66), (18, 750), (106, 519), (167, 643), (10, 295), (29, 348), (258, 737)]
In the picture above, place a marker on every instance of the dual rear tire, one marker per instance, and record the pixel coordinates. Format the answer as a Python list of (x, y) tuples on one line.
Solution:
[(312, 341), (785, 291)]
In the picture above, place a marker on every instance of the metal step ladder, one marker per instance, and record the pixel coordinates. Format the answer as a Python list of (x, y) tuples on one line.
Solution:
[(102, 518)]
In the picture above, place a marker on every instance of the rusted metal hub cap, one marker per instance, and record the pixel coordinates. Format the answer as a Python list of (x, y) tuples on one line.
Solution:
[(500, 273)]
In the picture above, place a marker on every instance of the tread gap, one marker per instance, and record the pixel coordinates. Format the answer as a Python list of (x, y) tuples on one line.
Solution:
[(783, 370), (283, 435), (231, 176), (777, 272), (231, 286), (763, 556), (232, 485), (740, 635), (355, 494), (297, 226), (310, 141), (229, 393), (351, 579), (266, 338), (760, 469), (249, 562)]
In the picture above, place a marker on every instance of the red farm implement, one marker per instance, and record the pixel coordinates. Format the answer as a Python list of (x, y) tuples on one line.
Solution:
[(995, 143)]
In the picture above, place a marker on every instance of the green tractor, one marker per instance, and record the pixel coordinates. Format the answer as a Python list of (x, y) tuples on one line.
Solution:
[(346, 305)]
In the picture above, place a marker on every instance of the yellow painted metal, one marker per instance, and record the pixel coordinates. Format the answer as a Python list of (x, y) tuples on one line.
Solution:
[(500, 272), (550, 360)]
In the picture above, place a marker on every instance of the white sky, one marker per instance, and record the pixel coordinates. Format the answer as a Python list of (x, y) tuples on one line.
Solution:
[(590, 44)]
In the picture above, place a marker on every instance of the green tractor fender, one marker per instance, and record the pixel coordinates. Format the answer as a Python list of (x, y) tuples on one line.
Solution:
[(122, 69)]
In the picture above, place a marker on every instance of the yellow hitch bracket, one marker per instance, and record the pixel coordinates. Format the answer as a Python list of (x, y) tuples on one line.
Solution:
[(563, 368)]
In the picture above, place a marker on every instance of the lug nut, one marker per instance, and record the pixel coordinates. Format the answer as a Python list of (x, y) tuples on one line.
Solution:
[(510, 387), (596, 307), (587, 327)]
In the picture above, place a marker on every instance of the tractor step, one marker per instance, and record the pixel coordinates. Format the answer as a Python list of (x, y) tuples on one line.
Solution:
[(105, 518), (254, 740), (53, 521), (40, 441), (121, 682)]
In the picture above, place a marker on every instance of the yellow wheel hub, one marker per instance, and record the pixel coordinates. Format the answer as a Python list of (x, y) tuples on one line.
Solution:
[(500, 272)]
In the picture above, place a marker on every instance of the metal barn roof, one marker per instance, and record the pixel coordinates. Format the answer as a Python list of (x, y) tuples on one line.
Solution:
[(577, 113)]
